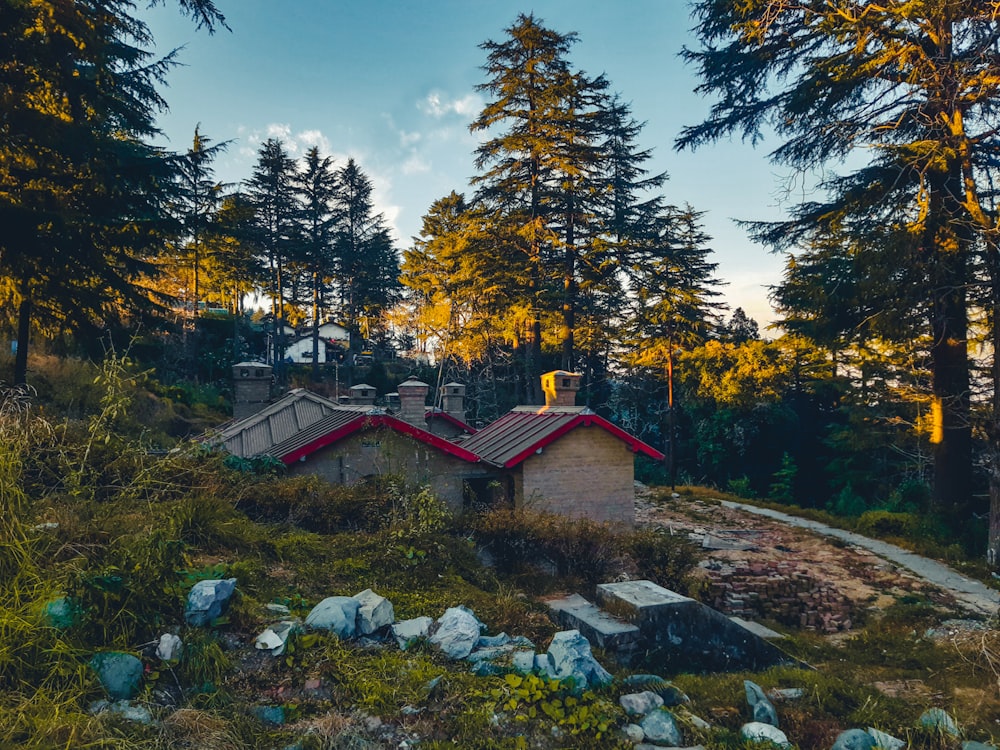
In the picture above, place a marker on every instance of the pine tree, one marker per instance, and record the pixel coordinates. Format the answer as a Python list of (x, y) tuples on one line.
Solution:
[(81, 192), (272, 193), (908, 87)]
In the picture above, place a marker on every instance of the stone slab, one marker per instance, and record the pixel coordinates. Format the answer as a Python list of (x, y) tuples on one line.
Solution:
[(761, 631), (597, 626), (680, 633)]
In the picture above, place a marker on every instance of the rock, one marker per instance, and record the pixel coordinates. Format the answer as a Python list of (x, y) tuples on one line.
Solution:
[(786, 694), (939, 720), (277, 609), (885, 741), (660, 726), (207, 600), (338, 614), (170, 647), (969, 745), (523, 661), (493, 641), (640, 704), (672, 696), (543, 664), (854, 739), (408, 631), (489, 654), (457, 632), (761, 708), (696, 721), (275, 638), (634, 733), (374, 613), (61, 613), (124, 709), (570, 655), (273, 715), (489, 669), (120, 673), (757, 731)]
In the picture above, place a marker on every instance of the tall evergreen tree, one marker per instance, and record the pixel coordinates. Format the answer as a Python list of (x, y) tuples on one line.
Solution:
[(316, 185), (81, 192), (910, 88), (271, 190)]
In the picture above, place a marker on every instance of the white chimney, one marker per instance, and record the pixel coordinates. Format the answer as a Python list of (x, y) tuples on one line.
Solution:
[(413, 402)]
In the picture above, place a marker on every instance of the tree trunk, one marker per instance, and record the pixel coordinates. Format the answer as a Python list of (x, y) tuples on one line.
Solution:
[(23, 331), (315, 331), (993, 425)]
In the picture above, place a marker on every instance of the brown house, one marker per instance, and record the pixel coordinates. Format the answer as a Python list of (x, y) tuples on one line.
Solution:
[(560, 458)]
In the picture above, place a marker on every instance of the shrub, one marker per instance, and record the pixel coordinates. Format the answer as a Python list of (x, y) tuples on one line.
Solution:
[(741, 487), (884, 523), (661, 557)]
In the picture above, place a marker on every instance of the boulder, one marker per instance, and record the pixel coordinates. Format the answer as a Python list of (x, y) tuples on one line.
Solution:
[(758, 731), (456, 632), (338, 614), (207, 600), (273, 715), (374, 613), (660, 726), (169, 647), (634, 733), (640, 704), (672, 695), (523, 661), (970, 745), (493, 641), (408, 631), (884, 741), (120, 673), (61, 613), (938, 719), (492, 653), (854, 739), (570, 655), (760, 707)]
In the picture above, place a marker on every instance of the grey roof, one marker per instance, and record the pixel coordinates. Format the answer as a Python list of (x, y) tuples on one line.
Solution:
[(293, 412), (333, 422), (522, 429)]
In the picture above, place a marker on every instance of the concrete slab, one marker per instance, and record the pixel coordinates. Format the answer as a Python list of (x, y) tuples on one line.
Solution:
[(761, 631), (597, 626), (682, 634)]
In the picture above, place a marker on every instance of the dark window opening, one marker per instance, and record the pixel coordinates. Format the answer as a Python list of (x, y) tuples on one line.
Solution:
[(481, 493)]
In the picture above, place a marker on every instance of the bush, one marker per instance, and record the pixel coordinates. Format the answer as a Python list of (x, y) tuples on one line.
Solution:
[(884, 523), (661, 557)]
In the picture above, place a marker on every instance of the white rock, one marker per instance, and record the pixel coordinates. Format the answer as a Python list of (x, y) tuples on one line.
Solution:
[(374, 613), (169, 647), (758, 731), (408, 631), (634, 733), (640, 704), (457, 632), (335, 613), (570, 655)]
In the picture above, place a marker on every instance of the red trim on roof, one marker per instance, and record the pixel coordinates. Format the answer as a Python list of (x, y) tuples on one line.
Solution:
[(438, 414), (379, 420), (585, 420)]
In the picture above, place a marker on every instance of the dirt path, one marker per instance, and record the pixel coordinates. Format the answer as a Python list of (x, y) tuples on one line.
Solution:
[(967, 591), (801, 572)]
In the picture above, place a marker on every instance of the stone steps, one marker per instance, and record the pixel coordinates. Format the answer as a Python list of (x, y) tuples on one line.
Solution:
[(599, 627)]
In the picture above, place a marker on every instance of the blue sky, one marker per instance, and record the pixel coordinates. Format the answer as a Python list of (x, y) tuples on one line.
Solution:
[(392, 83)]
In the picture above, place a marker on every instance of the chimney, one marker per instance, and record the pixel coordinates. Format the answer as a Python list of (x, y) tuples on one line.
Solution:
[(362, 394), (453, 400), (251, 388), (412, 402), (560, 388)]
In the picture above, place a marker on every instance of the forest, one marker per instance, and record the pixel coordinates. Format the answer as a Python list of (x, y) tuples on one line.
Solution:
[(876, 390)]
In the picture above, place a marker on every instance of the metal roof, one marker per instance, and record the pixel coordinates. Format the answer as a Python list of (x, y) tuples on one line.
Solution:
[(343, 422), (521, 432), (256, 434)]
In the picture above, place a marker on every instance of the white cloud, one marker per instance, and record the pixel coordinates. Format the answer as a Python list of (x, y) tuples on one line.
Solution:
[(436, 104), (415, 165)]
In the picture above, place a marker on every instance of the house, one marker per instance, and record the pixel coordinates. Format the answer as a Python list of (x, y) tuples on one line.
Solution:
[(301, 350), (563, 458), (560, 457)]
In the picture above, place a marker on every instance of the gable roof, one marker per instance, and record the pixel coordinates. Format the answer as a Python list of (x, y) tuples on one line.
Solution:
[(291, 413), (344, 422), (521, 432)]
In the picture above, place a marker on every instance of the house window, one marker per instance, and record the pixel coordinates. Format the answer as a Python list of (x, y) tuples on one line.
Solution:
[(565, 383)]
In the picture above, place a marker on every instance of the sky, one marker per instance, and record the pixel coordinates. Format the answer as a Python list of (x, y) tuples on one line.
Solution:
[(392, 83)]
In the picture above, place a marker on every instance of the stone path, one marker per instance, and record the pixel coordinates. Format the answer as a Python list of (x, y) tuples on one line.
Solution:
[(973, 594)]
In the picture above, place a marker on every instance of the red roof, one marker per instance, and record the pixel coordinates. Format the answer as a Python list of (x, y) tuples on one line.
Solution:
[(521, 432), (341, 424)]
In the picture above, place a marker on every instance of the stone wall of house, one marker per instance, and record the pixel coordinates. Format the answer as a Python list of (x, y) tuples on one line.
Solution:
[(779, 591), (381, 451), (586, 472)]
